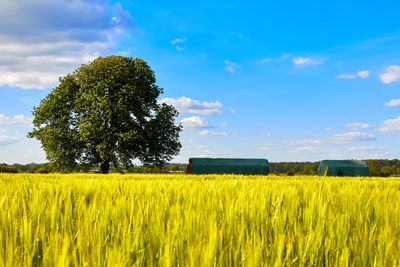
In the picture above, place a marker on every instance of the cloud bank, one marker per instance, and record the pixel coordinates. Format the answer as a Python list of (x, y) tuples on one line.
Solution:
[(188, 105), (358, 125), (362, 74), (391, 125), (44, 39), (392, 74), (16, 119), (336, 139), (211, 133), (232, 67), (306, 61), (393, 103), (195, 122), (6, 140)]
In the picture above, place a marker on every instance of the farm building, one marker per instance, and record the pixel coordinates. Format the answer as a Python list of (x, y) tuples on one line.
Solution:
[(343, 168), (228, 166)]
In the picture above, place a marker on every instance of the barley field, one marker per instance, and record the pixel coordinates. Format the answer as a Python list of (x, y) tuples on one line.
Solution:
[(209, 220)]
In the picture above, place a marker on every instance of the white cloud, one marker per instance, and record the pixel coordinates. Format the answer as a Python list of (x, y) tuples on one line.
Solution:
[(123, 53), (3, 130), (346, 76), (363, 148), (43, 40), (211, 133), (6, 140), (392, 74), (189, 141), (188, 105), (180, 48), (336, 139), (358, 125), (6, 120), (194, 122), (329, 128), (266, 148), (363, 74), (196, 147), (232, 67), (16, 119), (178, 40), (393, 103), (390, 125), (305, 61), (24, 156), (307, 150), (351, 137), (265, 60), (27, 70)]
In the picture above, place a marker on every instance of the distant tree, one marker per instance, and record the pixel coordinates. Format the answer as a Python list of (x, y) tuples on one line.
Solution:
[(314, 167), (393, 169), (174, 168), (286, 167), (385, 171), (373, 169), (41, 170), (139, 169), (296, 169), (183, 168), (8, 169), (106, 113)]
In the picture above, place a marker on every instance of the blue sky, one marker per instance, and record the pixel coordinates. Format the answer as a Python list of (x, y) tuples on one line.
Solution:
[(286, 81)]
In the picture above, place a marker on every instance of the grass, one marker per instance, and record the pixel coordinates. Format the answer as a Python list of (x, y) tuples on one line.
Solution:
[(182, 220)]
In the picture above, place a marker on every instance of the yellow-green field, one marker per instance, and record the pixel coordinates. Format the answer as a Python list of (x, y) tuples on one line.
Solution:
[(215, 220)]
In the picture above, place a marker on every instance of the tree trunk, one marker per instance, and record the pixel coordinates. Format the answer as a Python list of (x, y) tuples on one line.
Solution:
[(104, 166)]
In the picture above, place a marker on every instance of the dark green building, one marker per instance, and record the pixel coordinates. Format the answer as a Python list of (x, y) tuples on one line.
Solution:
[(228, 166), (343, 168)]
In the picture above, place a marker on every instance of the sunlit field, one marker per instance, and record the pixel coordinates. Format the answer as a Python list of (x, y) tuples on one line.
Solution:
[(182, 220)]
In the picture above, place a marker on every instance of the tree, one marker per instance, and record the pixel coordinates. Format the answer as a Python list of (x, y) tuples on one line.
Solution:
[(296, 169), (106, 112), (174, 168), (183, 168), (286, 167), (373, 169), (385, 171)]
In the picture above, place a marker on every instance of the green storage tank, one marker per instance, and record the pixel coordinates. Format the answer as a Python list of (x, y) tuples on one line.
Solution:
[(343, 168), (228, 166)]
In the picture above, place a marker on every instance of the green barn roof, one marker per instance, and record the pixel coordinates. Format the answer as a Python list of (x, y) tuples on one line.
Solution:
[(343, 168), (228, 166)]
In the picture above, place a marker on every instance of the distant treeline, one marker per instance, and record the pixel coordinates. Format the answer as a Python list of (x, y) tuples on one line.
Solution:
[(377, 167), (47, 168), (292, 168)]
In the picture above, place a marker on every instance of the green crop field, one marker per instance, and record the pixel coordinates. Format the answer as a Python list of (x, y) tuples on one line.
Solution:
[(215, 220)]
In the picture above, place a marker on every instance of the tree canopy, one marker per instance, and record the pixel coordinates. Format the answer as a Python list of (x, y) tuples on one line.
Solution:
[(106, 112)]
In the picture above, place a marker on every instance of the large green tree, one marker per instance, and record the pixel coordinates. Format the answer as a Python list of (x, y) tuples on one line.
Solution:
[(104, 113)]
